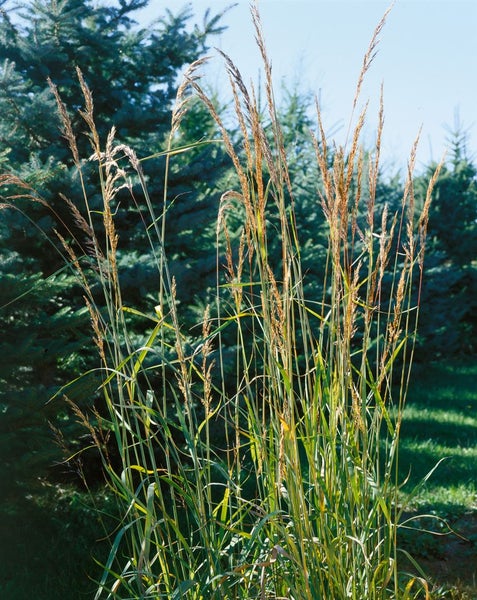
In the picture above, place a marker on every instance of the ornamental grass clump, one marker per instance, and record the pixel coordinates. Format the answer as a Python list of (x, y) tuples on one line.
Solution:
[(259, 460)]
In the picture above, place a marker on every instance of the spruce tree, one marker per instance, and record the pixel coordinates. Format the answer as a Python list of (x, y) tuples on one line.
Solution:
[(449, 307), (133, 73)]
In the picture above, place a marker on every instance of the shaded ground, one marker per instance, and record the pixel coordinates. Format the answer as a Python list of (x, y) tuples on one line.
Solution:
[(456, 557), (47, 549), (449, 559)]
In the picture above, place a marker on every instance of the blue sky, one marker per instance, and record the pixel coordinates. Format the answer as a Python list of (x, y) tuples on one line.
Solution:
[(427, 62)]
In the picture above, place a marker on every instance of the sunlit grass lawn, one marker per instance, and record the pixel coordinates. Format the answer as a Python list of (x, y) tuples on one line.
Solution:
[(440, 423)]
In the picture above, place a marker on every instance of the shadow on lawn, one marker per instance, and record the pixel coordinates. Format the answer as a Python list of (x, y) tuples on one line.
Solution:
[(426, 439), (440, 422)]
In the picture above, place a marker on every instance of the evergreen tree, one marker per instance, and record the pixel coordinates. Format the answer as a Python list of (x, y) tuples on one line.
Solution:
[(131, 71), (133, 74), (449, 307)]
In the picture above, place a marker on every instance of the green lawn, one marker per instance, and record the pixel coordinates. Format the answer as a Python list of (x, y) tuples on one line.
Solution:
[(440, 423)]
